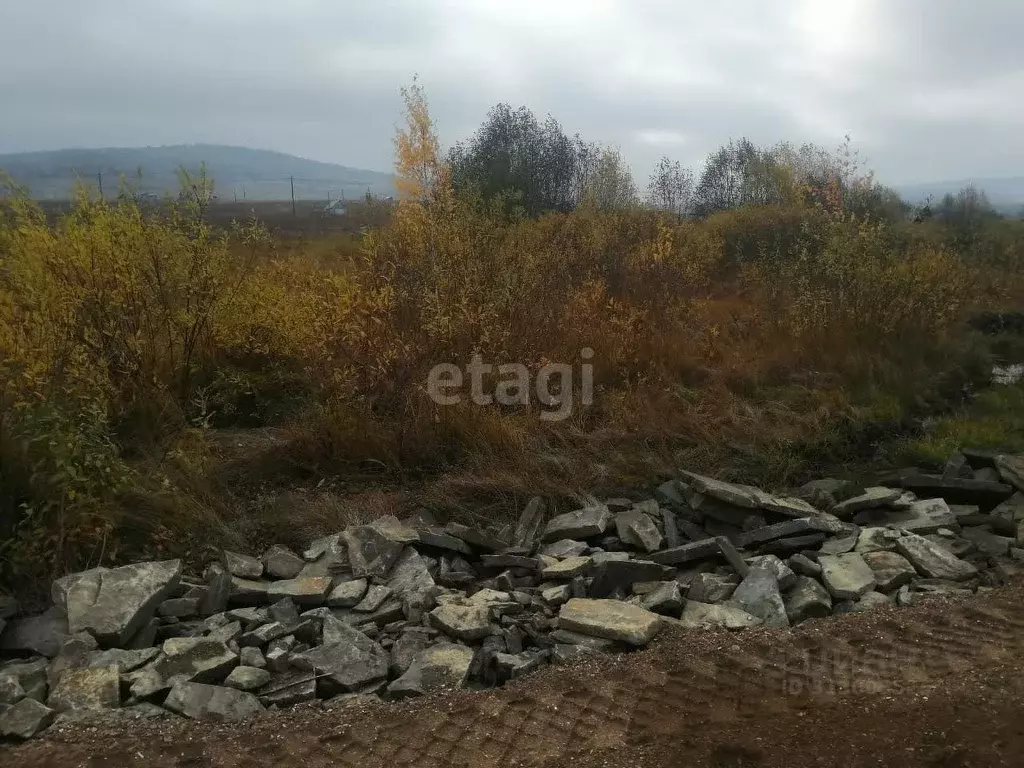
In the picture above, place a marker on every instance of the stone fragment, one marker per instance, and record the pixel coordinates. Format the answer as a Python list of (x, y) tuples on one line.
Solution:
[(891, 570), (668, 524), (666, 599), (212, 702), (932, 560), (556, 595), (113, 604), (218, 592), (732, 557), (872, 497), (611, 575), (289, 688), (842, 542), (308, 591), (804, 566), (281, 563), (442, 666), (351, 662), (370, 552), (686, 553), (529, 524), (242, 566), (610, 619), (86, 688), (705, 616), (406, 648), (319, 547), (347, 594), (438, 539), (480, 539), (184, 659), (373, 599), (638, 530), (758, 594), (11, 690), (251, 657), (712, 587), (876, 540), (410, 578), (988, 542), (465, 622), (1011, 470), (807, 599), (984, 493), (846, 576), (511, 666), (581, 524), (179, 607), (568, 568), (25, 719), (739, 496), (508, 560), (247, 592), (783, 573), (247, 678), (564, 548)]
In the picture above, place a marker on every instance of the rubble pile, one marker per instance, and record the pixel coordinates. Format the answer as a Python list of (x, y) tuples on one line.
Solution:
[(400, 608)]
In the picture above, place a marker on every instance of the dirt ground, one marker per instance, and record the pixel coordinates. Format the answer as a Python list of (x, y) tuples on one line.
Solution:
[(938, 685)]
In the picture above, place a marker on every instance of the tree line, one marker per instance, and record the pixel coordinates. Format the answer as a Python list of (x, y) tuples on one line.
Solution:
[(519, 163)]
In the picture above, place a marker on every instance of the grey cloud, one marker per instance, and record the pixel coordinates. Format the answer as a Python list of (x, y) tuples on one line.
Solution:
[(926, 87)]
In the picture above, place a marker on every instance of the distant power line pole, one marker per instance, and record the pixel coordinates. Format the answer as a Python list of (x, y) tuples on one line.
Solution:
[(235, 193), (292, 180), (99, 177)]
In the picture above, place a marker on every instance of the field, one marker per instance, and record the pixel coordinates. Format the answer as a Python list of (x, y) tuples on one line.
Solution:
[(177, 379)]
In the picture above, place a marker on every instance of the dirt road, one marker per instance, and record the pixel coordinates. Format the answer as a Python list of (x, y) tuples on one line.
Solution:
[(939, 685)]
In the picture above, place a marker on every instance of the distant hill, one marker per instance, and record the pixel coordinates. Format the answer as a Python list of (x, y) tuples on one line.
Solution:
[(252, 174), (1006, 194)]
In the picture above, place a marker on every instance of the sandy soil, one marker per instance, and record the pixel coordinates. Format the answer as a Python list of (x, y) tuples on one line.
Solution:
[(939, 685)]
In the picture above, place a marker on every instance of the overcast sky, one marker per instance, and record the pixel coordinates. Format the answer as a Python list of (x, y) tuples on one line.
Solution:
[(928, 89)]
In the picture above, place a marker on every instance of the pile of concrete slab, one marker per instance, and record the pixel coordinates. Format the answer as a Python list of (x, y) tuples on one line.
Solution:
[(401, 608)]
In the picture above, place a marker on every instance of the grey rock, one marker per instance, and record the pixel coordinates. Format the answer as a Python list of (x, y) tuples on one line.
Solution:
[(667, 599), (988, 542), (251, 657), (891, 570), (758, 594), (1011, 470), (876, 539), (370, 552), (563, 653), (478, 538), (846, 576), (668, 524), (410, 578), (712, 587), (442, 666), (74, 653), (637, 529), (281, 563), (31, 675), (289, 688), (248, 592), (583, 523), (804, 566), (507, 560), (465, 622), (304, 591), (242, 566), (511, 666), (25, 719), (347, 594), (568, 637), (872, 497), (321, 546), (569, 568), (247, 678), (842, 542), (373, 599), (405, 649), (612, 575), (564, 548), (350, 662), (218, 592), (529, 524), (704, 616), (212, 702), (729, 493), (43, 634), (807, 599), (556, 595), (11, 691), (728, 551), (184, 659), (264, 634), (179, 607), (284, 611), (784, 575), (870, 601), (610, 619), (932, 560), (87, 688)]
